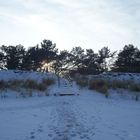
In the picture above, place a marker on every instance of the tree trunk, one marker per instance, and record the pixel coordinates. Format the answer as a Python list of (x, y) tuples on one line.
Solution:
[(58, 78)]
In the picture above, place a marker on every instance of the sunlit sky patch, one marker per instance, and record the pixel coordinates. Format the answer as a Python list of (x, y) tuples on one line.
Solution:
[(68, 23)]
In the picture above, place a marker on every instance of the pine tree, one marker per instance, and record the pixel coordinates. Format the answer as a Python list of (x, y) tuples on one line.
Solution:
[(128, 60)]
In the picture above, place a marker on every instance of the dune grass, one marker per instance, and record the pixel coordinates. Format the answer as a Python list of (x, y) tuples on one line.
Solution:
[(26, 87), (103, 85)]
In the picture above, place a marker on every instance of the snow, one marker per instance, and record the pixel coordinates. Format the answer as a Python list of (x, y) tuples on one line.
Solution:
[(135, 77), (89, 116), (23, 75)]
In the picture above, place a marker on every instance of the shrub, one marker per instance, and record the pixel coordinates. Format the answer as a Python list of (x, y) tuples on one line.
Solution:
[(23, 94), (102, 85), (27, 84), (116, 84), (14, 84), (41, 87), (106, 94), (2, 84), (26, 87), (135, 87), (31, 84), (47, 93), (29, 92), (99, 85), (48, 81), (120, 84), (82, 81)]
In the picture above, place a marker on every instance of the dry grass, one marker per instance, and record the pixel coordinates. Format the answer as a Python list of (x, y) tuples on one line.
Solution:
[(26, 87), (102, 85), (135, 87), (14, 84), (99, 85), (30, 92), (82, 81), (31, 84), (48, 81), (120, 84), (2, 85)]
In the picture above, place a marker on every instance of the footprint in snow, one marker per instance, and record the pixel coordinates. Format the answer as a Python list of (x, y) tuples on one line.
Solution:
[(32, 133), (73, 135), (34, 115), (50, 135), (40, 130), (32, 137)]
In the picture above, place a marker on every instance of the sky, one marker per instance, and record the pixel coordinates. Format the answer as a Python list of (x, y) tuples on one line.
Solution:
[(69, 23)]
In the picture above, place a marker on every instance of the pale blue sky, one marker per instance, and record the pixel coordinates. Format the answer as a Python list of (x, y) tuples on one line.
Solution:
[(68, 23)]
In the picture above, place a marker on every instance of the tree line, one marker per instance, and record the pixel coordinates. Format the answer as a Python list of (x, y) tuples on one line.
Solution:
[(76, 60)]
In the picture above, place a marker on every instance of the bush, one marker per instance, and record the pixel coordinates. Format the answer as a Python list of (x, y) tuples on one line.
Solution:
[(29, 92), (31, 84), (14, 84), (120, 84), (137, 97), (26, 84), (82, 81), (99, 85), (48, 81), (41, 87), (102, 85), (2, 84), (25, 88), (135, 87)]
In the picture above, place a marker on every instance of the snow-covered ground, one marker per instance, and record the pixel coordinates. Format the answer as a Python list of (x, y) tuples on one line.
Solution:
[(135, 77), (87, 116), (23, 75)]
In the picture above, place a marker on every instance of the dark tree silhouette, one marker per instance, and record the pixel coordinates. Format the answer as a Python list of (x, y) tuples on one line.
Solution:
[(77, 56), (35, 56), (48, 50), (90, 62), (75, 61), (60, 64), (1, 60), (128, 60), (32, 59), (13, 56), (104, 54)]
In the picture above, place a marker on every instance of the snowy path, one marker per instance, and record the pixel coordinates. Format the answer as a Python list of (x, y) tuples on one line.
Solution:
[(86, 117)]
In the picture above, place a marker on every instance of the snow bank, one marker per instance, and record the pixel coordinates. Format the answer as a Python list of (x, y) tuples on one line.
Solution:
[(24, 75), (135, 77)]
